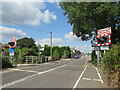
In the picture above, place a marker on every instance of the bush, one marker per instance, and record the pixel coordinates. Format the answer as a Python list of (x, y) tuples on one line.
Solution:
[(111, 59), (111, 66), (5, 63), (56, 53), (66, 54)]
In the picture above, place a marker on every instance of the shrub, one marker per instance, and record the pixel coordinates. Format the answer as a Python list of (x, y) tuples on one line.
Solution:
[(56, 53), (111, 59), (111, 66), (6, 63)]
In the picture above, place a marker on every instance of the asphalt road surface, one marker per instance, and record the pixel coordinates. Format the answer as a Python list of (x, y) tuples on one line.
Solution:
[(70, 73)]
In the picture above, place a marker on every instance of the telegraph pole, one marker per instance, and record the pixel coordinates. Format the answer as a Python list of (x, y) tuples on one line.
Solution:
[(51, 44)]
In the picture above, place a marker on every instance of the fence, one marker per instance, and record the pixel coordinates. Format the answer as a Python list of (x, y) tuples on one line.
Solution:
[(31, 59)]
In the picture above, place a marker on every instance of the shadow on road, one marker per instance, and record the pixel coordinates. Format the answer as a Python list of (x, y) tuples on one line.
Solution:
[(89, 61)]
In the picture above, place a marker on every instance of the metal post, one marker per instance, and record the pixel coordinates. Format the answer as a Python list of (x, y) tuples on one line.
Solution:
[(32, 59), (19, 55), (51, 44), (98, 62), (26, 59)]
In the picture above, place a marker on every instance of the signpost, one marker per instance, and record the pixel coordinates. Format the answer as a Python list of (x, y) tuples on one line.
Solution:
[(102, 41), (104, 37), (12, 46)]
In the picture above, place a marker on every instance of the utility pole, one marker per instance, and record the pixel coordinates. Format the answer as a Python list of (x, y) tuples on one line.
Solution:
[(51, 44)]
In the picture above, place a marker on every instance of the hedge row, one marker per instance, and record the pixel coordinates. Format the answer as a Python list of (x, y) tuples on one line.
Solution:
[(111, 66)]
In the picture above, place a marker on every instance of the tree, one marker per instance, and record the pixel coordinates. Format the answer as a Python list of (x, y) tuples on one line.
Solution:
[(28, 46), (86, 17), (26, 43), (62, 49), (67, 53), (77, 52), (56, 53), (46, 51), (56, 48)]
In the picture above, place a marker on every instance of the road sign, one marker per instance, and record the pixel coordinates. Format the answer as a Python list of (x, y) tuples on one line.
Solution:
[(13, 39), (104, 37), (11, 54), (104, 48), (12, 50), (104, 32), (42, 49)]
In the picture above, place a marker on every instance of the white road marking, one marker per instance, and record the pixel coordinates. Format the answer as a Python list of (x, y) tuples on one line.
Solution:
[(86, 78), (85, 63), (17, 81), (9, 70), (38, 73), (97, 80), (92, 79), (79, 78), (26, 70), (99, 75)]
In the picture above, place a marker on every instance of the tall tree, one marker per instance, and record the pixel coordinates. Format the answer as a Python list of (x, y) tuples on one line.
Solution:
[(26, 42), (29, 44), (91, 16), (56, 53), (46, 51)]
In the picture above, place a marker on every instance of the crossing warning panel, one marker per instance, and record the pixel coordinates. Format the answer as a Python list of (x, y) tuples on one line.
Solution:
[(104, 37)]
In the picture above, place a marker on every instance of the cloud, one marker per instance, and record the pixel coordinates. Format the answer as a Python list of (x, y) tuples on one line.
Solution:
[(32, 13), (84, 48), (55, 41), (72, 37), (7, 33), (47, 16)]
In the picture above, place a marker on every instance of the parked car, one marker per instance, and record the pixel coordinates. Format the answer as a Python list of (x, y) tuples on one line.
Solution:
[(76, 57), (79, 56)]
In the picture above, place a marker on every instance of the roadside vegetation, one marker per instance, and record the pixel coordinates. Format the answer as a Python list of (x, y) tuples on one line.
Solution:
[(111, 66), (27, 47)]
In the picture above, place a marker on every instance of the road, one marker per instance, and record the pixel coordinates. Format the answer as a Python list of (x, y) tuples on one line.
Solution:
[(70, 73)]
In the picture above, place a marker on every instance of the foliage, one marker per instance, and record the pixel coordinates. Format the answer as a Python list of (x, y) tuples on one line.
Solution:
[(64, 49), (56, 48), (77, 52), (66, 53), (56, 53), (88, 16), (111, 59), (46, 51), (25, 42), (5, 63), (6, 52)]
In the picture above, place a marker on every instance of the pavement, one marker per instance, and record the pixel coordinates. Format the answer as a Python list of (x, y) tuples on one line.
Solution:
[(72, 73)]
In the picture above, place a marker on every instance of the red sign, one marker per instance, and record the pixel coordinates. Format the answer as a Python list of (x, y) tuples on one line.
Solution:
[(13, 39), (104, 32)]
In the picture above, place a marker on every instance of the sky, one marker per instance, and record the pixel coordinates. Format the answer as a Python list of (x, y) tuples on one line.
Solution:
[(37, 20)]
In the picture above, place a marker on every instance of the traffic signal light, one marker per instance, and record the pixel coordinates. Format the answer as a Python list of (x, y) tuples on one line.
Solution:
[(11, 43), (103, 39)]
